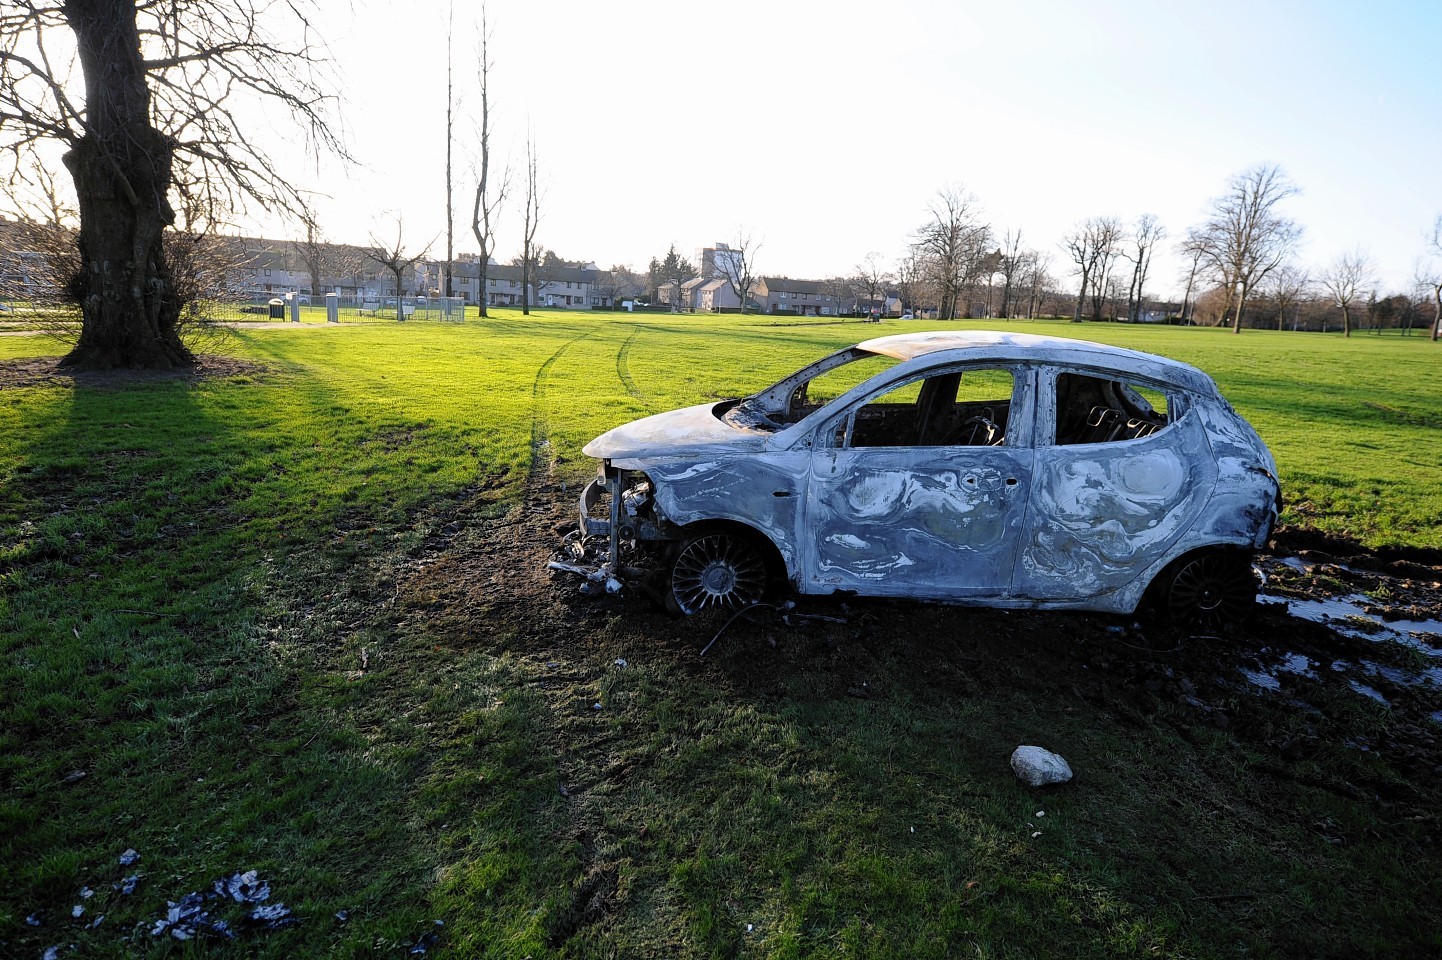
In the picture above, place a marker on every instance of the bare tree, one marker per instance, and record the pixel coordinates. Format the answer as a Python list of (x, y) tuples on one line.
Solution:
[(1344, 280), (1245, 237), (1287, 285), (738, 267), (313, 252), (909, 282), (39, 246), (161, 92), (448, 268), (871, 278), (1035, 268), (1148, 233), (544, 269), (490, 193), (1431, 275), (952, 246), (1010, 265), (1194, 249), (529, 249), (394, 258), (1092, 246), (618, 283)]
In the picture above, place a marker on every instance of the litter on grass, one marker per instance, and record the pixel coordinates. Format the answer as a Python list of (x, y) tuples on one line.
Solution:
[(195, 914), (428, 939)]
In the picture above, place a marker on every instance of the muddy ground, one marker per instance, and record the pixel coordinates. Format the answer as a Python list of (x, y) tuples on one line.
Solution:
[(1365, 674)]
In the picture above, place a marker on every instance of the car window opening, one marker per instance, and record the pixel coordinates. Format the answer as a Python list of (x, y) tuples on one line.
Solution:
[(813, 394), (1098, 410), (955, 409)]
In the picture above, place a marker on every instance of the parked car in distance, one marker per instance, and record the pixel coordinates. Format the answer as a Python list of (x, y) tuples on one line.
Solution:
[(976, 467)]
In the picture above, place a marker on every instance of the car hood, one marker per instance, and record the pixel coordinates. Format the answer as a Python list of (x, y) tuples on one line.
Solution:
[(678, 433)]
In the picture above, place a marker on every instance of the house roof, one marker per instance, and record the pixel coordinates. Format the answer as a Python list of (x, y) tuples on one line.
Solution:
[(787, 285)]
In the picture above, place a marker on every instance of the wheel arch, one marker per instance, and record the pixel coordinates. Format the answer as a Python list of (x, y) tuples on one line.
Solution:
[(1155, 597), (776, 566)]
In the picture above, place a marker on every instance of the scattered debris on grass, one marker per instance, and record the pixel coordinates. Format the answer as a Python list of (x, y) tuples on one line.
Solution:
[(195, 914), (192, 915), (429, 939)]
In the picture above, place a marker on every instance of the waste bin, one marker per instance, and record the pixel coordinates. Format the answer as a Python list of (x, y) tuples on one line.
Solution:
[(277, 308)]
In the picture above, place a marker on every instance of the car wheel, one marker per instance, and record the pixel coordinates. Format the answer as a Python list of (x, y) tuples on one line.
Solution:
[(716, 570), (1210, 591)]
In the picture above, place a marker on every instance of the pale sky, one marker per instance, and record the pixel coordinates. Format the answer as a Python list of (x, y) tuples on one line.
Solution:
[(825, 128)]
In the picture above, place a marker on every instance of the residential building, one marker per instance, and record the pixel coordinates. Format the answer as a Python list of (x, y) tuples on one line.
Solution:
[(720, 261), (567, 287), (804, 297), (716, 295)]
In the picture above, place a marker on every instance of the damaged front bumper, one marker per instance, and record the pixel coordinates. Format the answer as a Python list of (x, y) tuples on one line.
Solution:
[(591, 524), (617, 506)]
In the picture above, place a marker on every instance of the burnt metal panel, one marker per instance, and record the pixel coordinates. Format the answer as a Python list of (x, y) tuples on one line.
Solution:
[(760, 492), (937, 522)]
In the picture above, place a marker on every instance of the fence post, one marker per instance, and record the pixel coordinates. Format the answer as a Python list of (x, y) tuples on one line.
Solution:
[(332, 308)]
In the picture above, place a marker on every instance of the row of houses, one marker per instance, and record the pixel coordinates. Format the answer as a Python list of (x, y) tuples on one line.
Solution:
[(270, 267), (264, 268), (259, 269), (809, 298)]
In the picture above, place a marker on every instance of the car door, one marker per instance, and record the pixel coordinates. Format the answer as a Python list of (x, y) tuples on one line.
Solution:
[(1123, 469), (920, 489)]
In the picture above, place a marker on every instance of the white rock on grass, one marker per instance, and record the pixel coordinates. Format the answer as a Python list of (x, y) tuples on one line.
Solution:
[(1037, 767)]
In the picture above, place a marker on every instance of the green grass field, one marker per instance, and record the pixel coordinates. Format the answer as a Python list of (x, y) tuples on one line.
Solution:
[(225, 642)]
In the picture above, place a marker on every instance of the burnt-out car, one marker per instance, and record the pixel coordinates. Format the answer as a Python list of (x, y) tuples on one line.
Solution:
[(975, 467)]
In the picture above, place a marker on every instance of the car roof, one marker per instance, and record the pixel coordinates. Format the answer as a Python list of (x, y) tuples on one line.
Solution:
[(1005, 345)]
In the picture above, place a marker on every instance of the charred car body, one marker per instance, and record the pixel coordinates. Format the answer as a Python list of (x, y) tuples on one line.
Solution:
[(984, 468)]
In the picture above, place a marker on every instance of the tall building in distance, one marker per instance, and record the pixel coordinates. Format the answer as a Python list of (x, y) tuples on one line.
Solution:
[(718, 261)]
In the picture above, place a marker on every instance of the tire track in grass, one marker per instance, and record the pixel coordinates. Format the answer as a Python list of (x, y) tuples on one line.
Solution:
[(623, 371), (540, 414)]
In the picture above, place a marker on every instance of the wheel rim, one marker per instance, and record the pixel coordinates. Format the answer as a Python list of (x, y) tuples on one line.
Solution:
[(715, 571), (1212, 592)]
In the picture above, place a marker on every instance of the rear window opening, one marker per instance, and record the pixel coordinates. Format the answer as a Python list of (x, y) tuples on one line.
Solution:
[(1100, 410)]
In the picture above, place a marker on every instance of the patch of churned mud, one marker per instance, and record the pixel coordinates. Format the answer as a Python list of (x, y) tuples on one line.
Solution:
[(1300, 687)]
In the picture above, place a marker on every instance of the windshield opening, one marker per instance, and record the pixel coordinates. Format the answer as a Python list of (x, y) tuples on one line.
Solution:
[(807, 390)]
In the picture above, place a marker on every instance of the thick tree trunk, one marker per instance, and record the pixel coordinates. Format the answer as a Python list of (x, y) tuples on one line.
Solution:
[(122, 172)]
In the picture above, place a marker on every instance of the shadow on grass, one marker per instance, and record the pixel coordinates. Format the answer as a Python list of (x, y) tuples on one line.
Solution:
[(158, 695)]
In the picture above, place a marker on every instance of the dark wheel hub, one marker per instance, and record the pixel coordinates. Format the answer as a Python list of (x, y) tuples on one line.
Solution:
[(1212, 591), (717, 570)]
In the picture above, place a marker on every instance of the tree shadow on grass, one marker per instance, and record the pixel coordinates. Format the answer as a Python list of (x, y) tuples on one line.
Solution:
[(155, 699)]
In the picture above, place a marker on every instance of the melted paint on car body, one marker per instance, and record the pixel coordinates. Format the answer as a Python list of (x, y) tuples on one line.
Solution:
[(1076, 487)]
